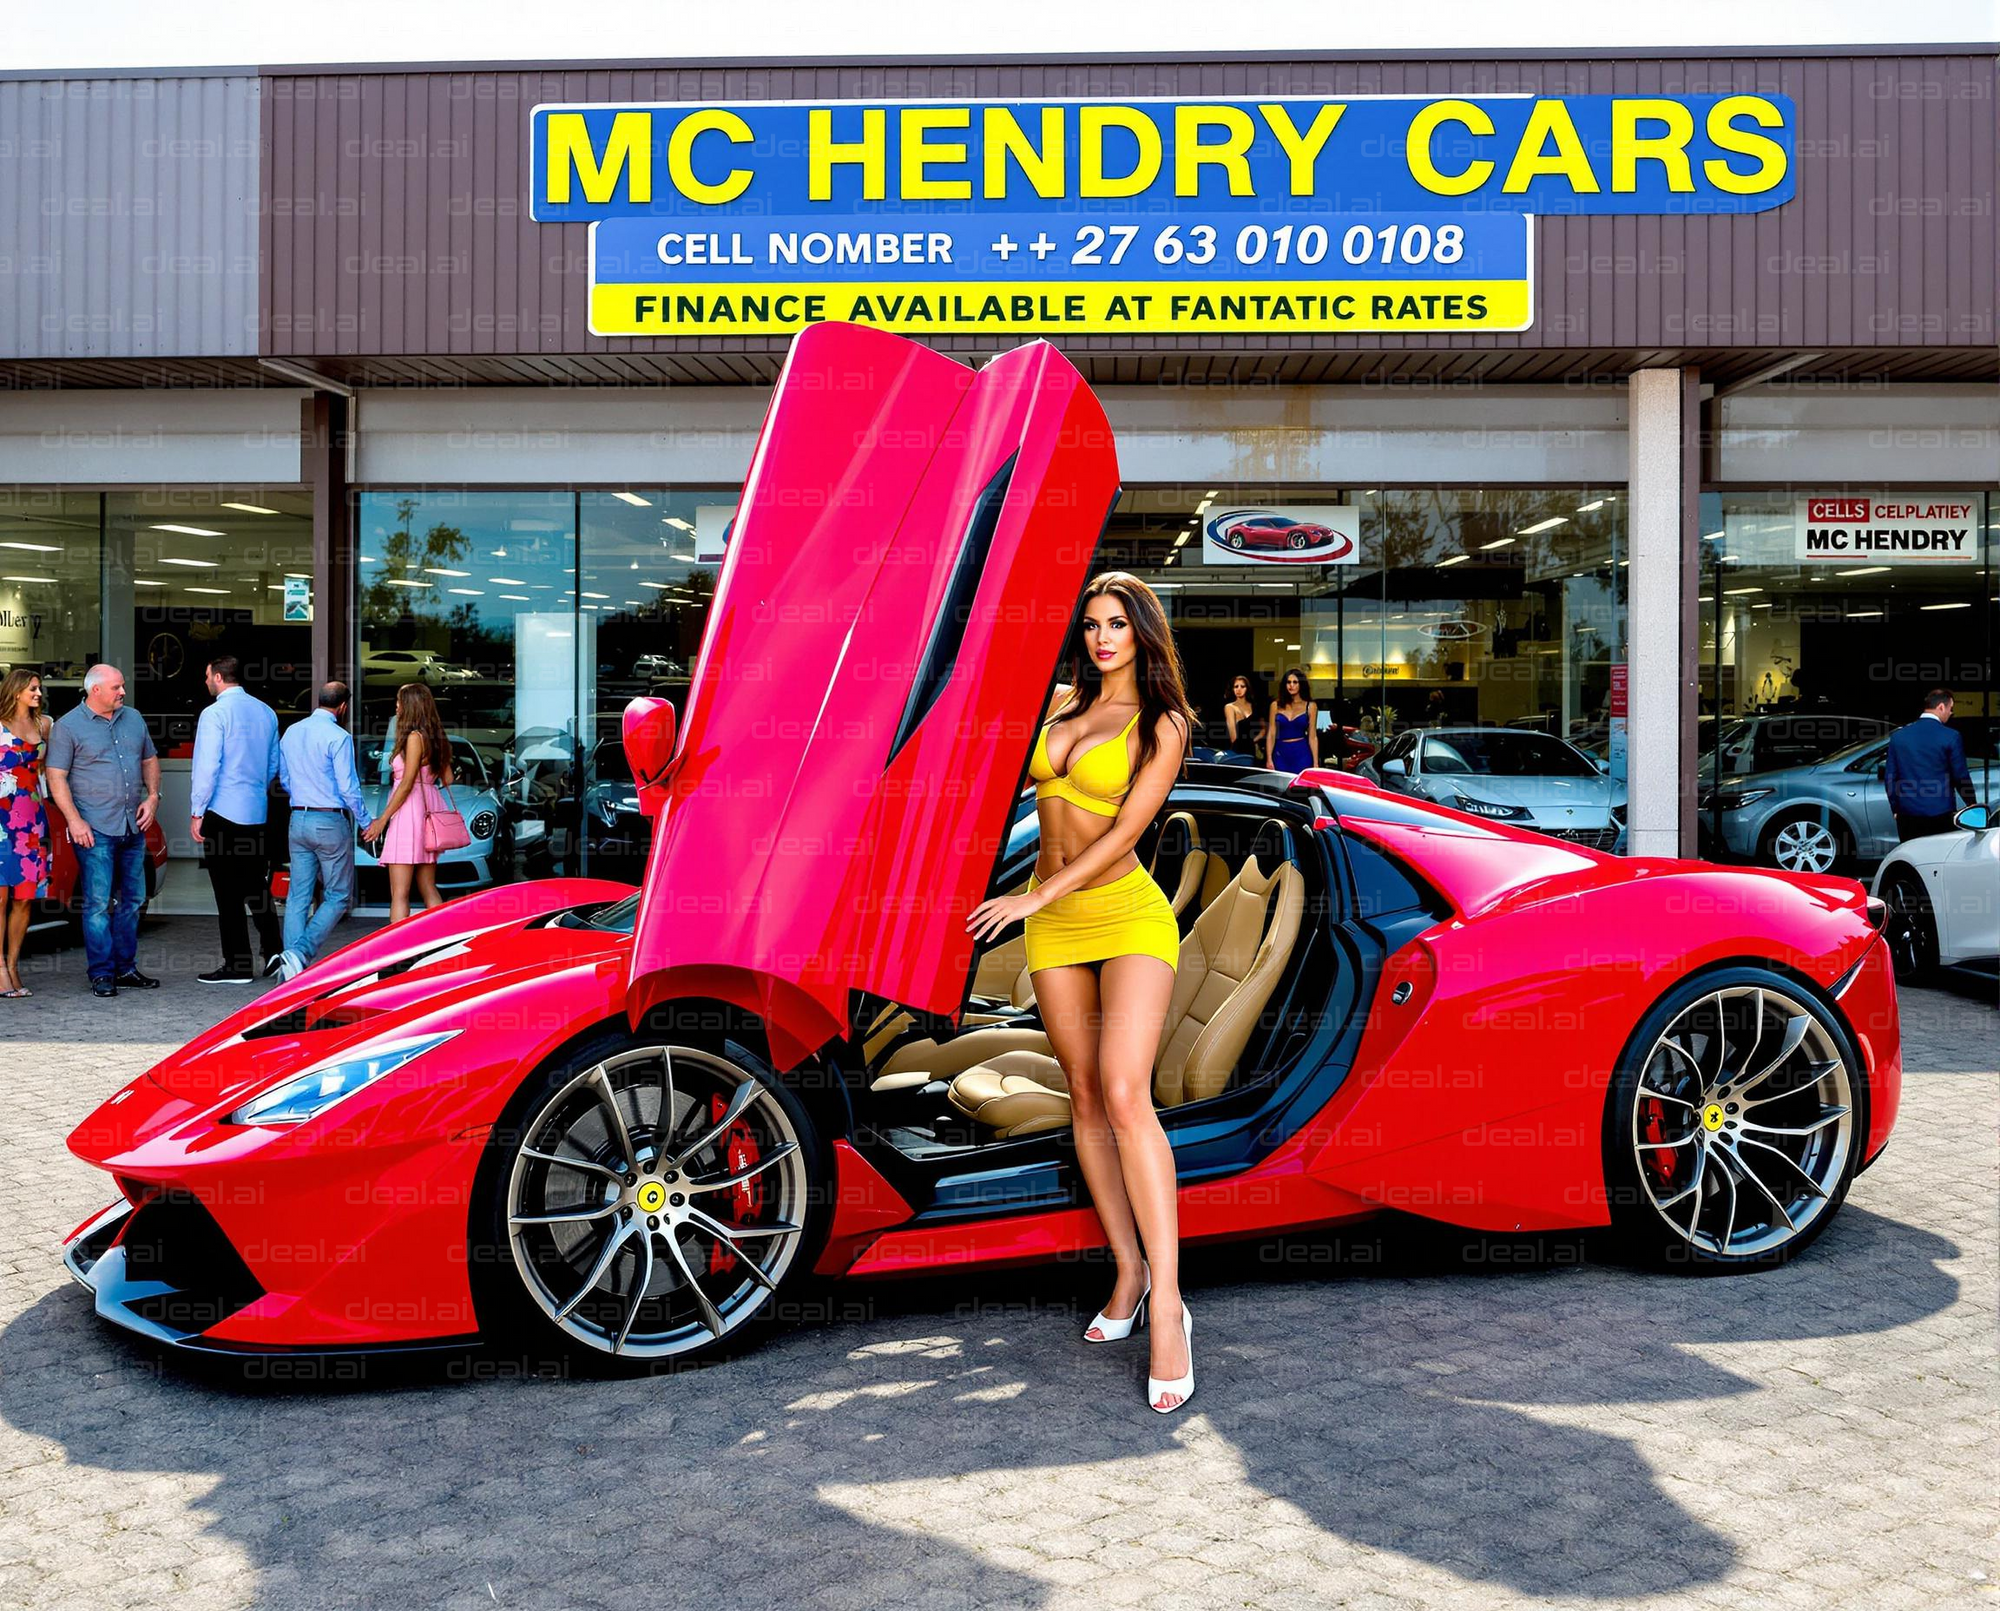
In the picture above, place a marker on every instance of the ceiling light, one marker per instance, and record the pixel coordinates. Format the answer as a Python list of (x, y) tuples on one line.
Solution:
[(597, 595), (144, 581), (1866, 570), (397, 581), (1585, 508), (187, 531), (1864, 615), (219, 592), (676, 522), (201, 564), (506, 581), (251, 508), (1501, 542), (27, 578), (1543, 525), (1732, 592), (469, 592), (664, 587), (370, 559), (1456, 559), (439, 570), (634, 499), (34, 548), (1760, 606), (1962, 604), (518, 598), (1713, 536), (1181, 541)]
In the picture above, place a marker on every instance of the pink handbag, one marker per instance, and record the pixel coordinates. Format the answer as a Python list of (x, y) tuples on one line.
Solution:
[(444, 828)]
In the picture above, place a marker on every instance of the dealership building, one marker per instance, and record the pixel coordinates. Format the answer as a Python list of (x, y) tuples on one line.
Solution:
[(1617, 396)]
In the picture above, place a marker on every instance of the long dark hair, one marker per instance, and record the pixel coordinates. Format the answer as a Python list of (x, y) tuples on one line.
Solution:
[(1305, 685), (417, 712), (1162, 688)]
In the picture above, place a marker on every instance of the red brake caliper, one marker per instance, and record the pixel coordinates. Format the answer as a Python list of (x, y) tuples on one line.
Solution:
[(1662, 1160), (739, 1152)]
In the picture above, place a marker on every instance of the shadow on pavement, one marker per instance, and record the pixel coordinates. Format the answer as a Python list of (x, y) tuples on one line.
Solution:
[(1388, 1385)]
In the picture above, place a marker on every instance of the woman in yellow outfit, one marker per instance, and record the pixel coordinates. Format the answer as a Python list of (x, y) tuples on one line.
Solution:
[(1103, 945)]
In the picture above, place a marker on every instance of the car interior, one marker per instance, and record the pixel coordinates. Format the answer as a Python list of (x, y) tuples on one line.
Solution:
[(1241, 890)]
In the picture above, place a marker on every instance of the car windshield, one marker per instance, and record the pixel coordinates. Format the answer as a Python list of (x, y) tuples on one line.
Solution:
[(372, 761), (1502, 753)]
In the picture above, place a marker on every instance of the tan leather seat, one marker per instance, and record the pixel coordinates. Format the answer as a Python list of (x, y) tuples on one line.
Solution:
[(1230, 962)]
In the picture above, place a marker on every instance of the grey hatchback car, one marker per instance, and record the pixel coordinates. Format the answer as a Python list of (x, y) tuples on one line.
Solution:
[(1830, 815)]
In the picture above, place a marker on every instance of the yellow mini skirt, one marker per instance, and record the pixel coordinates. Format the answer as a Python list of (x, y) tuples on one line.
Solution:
[(1127, 917)]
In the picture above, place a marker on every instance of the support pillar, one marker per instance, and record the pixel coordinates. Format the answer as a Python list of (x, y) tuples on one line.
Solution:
[(323, 453), (1664, 495)]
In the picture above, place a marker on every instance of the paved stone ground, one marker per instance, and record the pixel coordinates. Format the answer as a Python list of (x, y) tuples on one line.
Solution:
[(1386, 1420)]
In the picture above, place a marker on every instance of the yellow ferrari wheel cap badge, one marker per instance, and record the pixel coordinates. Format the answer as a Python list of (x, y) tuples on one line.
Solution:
[(653, 1196), (1711, 1116)]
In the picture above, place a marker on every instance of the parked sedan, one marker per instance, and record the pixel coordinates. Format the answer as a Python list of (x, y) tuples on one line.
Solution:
[(1786, 738), (1816, 818), (488, 859), (1943, 895), (1503, 774)]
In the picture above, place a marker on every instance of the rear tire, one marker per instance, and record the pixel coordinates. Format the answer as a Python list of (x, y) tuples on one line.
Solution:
[(646, 1200), (1806, 842), (1911, 928), (1734, 1123)]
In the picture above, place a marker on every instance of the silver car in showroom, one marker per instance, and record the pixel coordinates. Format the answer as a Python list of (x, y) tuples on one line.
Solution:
[(1505, 774), (1830, 815), (487, 860)]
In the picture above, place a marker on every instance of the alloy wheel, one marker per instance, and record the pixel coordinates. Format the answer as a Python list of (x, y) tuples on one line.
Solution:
[(656, 1201), (1910, 929), (1805, 846), (1743, 1122)]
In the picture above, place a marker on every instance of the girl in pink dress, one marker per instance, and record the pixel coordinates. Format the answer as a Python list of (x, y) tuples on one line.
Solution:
[(422, 762)]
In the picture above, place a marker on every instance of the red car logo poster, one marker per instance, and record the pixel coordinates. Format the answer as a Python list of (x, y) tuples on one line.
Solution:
[(1289, 534)]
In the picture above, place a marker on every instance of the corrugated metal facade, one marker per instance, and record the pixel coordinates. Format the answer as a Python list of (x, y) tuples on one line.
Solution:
[(128, 216), (399, 218)]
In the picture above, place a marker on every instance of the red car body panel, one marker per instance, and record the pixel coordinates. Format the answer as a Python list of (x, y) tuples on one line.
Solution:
[(812, 847), (797, 858)]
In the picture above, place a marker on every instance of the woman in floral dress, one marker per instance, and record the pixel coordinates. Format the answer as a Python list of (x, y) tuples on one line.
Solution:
[(24, 819)]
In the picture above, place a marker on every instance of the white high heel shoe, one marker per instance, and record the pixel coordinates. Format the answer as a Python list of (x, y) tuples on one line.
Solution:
[(1183, 1385), (1119, 1330)]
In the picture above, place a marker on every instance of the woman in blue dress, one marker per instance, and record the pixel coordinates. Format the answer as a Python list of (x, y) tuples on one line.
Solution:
[(1291, 737)]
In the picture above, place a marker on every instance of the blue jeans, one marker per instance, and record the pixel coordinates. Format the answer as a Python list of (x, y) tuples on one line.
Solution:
[(322, 844), (111, 878)]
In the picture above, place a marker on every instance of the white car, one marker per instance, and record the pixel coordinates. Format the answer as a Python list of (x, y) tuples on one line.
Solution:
[(1505, 774), (487, 860), (1943, 895), (391, 668)]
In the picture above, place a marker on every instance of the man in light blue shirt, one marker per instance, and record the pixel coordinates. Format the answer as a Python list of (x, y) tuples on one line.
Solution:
[(235, 759), (316, 765)]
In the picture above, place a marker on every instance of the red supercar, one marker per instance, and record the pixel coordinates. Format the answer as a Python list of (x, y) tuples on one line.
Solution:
[(619, 1122)]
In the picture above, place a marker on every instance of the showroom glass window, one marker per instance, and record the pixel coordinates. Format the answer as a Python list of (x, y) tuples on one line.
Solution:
[(51, 614), (1472, 607), (533, 617), (1801, 659)]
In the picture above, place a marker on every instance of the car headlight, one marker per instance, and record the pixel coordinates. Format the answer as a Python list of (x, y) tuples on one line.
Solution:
[(1737, 799), (313, 1092), (1489, 808), (482, 824)]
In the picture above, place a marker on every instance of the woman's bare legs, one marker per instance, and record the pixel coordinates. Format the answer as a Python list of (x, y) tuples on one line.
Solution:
[(16, 930), (427, 885), (1135, 992), (1069, 1006), (399, 890)]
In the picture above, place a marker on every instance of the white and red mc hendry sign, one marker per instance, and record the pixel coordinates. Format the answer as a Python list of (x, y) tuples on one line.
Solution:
[(1894, 530)]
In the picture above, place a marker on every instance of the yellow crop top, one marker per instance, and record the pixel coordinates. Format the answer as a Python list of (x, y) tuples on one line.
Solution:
[(1097, 780)]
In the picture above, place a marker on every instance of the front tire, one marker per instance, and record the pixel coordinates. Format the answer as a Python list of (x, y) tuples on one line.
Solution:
[(646, 1200), (1806, 842), (1734, 1124), (1911, 927)]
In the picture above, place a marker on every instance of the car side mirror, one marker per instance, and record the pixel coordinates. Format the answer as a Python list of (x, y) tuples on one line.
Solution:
[(648, 732), (1394, 769), (1976, 817)]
